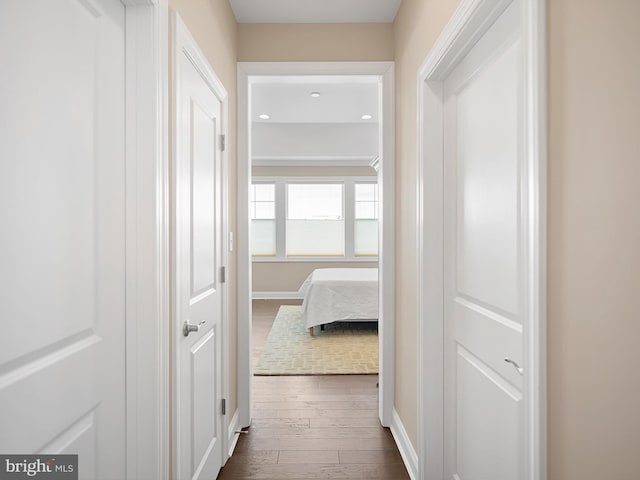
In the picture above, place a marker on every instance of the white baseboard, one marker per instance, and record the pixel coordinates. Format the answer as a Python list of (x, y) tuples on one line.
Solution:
[(233, 434), (408, 453), (277, 296)]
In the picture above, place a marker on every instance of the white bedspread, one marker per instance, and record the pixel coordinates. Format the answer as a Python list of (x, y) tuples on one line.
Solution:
[(333, 294)]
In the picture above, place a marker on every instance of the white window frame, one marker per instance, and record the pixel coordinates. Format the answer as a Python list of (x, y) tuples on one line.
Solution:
[(276, 213), (253, 200), (348, 206)]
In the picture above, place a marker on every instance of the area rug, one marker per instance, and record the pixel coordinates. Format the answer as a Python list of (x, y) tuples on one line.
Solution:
[(342, 348)]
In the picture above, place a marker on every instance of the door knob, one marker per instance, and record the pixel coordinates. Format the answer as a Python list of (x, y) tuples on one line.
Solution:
[(187, 327), (515, 365)]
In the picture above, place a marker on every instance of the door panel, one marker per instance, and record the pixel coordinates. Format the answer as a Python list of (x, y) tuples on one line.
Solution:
[(203, 146), (62, 187), (484, 257), (481, 330), (203, 386), (198, 289), (488, 206), (487, 438)]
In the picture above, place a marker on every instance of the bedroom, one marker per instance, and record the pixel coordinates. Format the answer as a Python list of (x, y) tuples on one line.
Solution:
[(313, 207)]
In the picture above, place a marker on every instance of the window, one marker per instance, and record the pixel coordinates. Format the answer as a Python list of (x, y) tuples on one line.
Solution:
[(315, 220), (263, 219), (310, 217), (366, 219)]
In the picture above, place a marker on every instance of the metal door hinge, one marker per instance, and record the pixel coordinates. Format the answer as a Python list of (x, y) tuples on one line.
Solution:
[(223, 274), (223, 142), (224, 406)]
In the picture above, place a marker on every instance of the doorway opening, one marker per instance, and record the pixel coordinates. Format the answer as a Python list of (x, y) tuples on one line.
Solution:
[(291, 166)]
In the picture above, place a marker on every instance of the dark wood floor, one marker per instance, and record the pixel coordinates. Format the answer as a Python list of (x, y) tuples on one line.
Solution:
[(312, 426)]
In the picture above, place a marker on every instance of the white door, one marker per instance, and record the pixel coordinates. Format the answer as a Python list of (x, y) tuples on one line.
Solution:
[(198, 274), (62, 218), (485, 257)]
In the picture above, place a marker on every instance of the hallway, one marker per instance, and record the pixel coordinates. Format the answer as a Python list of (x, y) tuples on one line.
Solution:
[(312, 426)]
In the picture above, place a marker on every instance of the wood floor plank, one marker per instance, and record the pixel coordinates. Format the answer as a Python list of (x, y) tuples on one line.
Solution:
[(392, 471), (311, 427), (261, 443), (315, 413), (257, 457), (309, 456), (321, 432), (370, 456), (255, 413), (261, 423), (337, 413), (299, 405), (320, 422), (316, 397)]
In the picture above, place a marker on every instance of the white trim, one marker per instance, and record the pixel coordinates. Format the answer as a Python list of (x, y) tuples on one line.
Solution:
[(315, 179), (255, 72), (147, 241), (243, 253), (387, 249), (468, 23), (225, 286), (535, 26), (262, 295), (375, 164), (183, 42), (309, 161), (407, 452), (233, 436), (363, 259)]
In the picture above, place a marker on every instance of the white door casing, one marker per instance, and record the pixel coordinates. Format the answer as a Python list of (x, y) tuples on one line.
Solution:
[(199, 259), (147, 242), (249, 72), (482, 251), (62, 210)]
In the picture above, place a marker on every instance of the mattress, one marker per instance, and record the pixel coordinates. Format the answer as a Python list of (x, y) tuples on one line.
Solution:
[(337, 294)]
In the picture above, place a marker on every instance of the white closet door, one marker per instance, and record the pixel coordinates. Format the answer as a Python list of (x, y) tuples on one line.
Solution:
[(62, 218), (485, 255)]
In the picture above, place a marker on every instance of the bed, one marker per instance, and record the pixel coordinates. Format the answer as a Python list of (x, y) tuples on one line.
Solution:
[(340, 294)]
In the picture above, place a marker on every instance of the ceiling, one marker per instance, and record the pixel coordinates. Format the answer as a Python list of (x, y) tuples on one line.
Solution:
[(341, 100), (315, 11), (325, 129)]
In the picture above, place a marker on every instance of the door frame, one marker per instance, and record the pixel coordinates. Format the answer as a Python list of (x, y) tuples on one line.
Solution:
[(183, 42), (469, 22), (147, 239), (386, 178)]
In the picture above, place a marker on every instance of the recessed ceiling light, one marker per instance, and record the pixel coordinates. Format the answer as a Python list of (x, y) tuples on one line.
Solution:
[(315, 94), (264, 116), (366, 116)]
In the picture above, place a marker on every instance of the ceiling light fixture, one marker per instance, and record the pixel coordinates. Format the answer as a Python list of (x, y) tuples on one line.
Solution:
[(315, 94), (366, 116), (264, 116)]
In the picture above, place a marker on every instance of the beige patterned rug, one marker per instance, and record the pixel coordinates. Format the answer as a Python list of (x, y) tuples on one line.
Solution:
[(341, 348)]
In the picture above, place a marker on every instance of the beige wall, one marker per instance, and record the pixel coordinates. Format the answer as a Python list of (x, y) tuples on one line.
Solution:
[(213, 25), (594, 240), (594, 230), (416, 28), (288, 276), (315, 42)]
